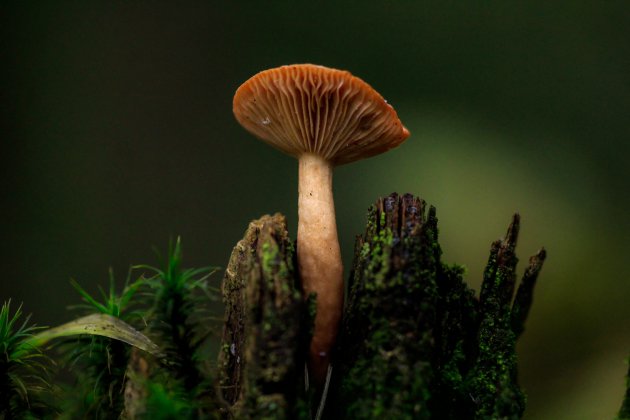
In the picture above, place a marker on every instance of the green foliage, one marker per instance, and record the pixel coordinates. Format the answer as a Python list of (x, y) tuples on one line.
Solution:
[(166, 380), (178, 318), (23, 367), (170, 306), (99, 363), (165, 402), (102, 325), (113, 304)]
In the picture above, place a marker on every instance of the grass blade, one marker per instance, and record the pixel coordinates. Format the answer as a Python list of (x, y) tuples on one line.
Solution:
[(101, 325)]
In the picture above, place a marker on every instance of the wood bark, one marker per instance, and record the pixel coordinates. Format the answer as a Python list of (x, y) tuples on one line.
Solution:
[(266, 330)]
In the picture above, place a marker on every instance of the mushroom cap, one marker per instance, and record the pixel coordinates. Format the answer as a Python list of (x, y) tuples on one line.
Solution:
[(305, 108)]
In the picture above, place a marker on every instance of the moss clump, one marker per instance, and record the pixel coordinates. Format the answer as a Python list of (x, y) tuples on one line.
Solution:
[(100, 363), (24, 370), (178, 320)]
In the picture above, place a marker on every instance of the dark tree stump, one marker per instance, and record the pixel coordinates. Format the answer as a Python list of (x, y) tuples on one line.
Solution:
[(416, 342)]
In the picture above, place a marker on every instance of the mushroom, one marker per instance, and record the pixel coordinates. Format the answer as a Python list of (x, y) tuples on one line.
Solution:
[(324, 117)]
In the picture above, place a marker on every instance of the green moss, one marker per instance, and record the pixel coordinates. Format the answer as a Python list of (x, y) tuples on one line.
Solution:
[(266, 320), (165, 402), (24, 372), (383, 359), (416, 342)]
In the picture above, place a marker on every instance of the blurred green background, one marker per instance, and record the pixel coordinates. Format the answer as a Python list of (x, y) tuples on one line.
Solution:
[(118, 134)]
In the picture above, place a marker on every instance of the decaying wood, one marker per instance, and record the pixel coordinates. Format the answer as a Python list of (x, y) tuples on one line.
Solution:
[(136, 392), (415, 341), (265, 333)]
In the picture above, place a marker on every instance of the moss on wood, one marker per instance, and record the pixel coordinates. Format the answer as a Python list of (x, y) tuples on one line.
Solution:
[(382, 367), (416, 342), (263, 345)]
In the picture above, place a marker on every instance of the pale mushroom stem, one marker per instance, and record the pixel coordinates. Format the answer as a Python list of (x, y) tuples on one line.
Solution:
[(319, 258)]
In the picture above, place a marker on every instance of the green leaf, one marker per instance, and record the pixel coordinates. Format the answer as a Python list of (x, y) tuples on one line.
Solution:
[(97, 324), (89, 299), (129, 292)]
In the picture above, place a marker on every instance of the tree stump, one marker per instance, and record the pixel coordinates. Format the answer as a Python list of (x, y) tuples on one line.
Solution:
[(265, 335), (416, 343)]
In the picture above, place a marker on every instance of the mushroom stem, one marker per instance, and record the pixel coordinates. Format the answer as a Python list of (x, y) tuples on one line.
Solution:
[(319, 257)]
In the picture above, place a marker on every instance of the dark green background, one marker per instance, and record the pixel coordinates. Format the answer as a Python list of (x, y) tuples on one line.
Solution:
[(118, 134)]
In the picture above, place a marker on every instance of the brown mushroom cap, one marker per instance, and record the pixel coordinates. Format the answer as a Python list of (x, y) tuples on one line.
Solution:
[(304, 108)]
